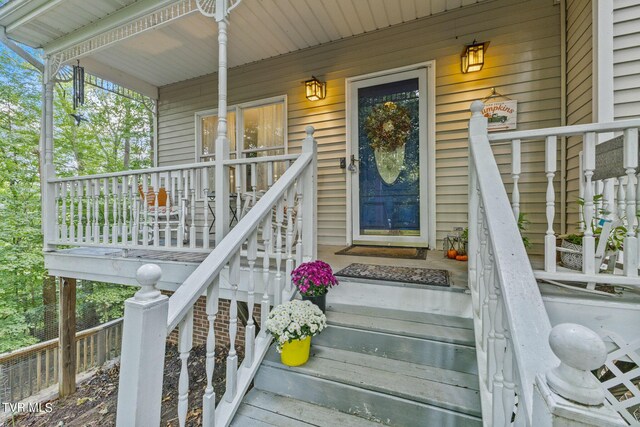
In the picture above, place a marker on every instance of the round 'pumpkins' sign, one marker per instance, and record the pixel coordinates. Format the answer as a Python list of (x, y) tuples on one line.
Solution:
[(388, 126)]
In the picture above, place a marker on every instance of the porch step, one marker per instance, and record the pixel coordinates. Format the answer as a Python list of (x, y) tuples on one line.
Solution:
[(381, 365), (375, 388), (378, 334), (260, 408)]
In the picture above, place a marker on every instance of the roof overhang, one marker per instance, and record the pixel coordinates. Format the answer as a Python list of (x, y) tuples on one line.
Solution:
[(145, 44)]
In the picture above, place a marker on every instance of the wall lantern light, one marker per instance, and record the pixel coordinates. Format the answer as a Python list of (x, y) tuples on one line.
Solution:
[(315, 89), (472, 58)]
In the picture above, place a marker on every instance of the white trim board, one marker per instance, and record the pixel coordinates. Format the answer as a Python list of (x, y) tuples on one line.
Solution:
[(429, 67)]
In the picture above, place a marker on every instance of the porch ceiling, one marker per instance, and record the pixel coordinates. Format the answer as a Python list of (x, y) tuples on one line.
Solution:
[(186, 47)]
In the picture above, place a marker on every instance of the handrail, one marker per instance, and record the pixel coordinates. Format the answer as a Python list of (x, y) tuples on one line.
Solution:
[(565, 130), (10, 355), (185, 297), (265, 159), (519, 288), (158, 169)]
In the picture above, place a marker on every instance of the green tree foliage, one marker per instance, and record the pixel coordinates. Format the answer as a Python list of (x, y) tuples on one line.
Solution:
[(116, 137)]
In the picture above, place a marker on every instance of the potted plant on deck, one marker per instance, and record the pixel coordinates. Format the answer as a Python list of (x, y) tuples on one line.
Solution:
[(313, 280), (292, 325)]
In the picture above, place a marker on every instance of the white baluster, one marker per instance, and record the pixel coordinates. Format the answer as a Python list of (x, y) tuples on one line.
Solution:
[(254, 184), (125, 217), (192, 192), (145, 207), (482, 251), (209, 399), (185, 343), (232, 359), (156, 206), (63, 195), (279, 283), (299, 215), (89, 203), (487, 287), (135, 204), (204, 175), (105, 210), (473, 237), (508, 388), (550, 170), (250, 330), (497, 381), (96, 207), (266, 275), (630, 165), (57, 189), (588, 242), (72, 219), (289, 264), (622, 205), (515, 175), (491, 320), (115, 229), (183, 209), (168, 207), (581, 191), (239, 178), (80, 194)]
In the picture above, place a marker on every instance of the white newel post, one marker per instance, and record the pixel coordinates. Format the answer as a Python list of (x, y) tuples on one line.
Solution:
[(48, 172), (309, 206), (569, 395), (143, 346), (630, 166)]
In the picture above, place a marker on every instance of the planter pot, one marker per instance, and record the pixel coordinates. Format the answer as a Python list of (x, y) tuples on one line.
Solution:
[(320, 301), (296, 352), (569, 259)]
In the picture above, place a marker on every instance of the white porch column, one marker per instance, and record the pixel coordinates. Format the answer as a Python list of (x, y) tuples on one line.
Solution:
[(309, 201), (48, 169), (222, 141)]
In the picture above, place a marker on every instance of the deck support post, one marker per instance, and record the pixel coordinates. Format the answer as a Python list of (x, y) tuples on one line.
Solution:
[(67, 346)]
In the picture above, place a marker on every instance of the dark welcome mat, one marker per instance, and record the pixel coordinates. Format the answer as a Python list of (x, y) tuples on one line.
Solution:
[(384, 252), (421, 276)]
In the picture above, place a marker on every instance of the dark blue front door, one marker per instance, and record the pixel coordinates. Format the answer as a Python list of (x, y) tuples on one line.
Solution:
[(389, 170)]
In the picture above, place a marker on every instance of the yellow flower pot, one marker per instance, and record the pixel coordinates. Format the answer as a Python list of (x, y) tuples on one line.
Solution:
[(295, 353)]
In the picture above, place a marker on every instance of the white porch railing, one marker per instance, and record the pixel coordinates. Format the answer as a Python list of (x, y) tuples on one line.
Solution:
[(164, 208), (521, 380), (280, 225), (614, 196)]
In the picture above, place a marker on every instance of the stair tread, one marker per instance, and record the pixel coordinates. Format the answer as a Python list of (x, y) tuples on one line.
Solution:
[(449, 334), (413, 316), (262, 408), (425, 384)]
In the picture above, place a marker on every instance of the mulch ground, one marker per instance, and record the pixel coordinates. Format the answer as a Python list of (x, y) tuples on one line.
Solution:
[(94, 403)]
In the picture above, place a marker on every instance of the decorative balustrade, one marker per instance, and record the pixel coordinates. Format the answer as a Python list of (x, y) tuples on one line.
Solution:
[(610, 194), (281, 223), (27, 371), (165, 208), (521, 382)]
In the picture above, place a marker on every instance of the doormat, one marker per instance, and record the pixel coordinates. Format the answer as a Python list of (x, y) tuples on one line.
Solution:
[(421, 276), (384, 252)]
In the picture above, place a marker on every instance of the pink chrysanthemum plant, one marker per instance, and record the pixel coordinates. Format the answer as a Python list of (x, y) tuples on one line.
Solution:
[(313, 279)]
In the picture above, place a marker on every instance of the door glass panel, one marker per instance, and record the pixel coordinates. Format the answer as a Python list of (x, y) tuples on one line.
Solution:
[(209, 126), (388, 149), (263, 135)]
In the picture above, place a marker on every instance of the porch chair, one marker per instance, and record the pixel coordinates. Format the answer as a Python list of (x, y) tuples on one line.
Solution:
[(176, 215)]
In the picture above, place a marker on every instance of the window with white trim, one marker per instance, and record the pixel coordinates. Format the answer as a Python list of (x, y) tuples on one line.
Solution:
[(260, 126)]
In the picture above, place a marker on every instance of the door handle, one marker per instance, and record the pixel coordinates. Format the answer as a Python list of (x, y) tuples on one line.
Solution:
[(352, 166)]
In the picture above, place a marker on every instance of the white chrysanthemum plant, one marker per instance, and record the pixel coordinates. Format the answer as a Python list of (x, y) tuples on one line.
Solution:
[(295, 320)]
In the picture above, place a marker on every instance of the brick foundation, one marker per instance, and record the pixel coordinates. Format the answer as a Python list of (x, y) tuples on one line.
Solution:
[(220, 326)]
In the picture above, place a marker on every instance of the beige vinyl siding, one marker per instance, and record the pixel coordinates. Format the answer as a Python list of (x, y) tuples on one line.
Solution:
[(579, 92), (523, 62), (626, 59)]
